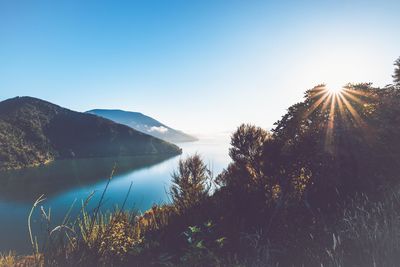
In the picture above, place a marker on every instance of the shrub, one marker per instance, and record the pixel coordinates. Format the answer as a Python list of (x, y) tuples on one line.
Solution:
[(191, 182)]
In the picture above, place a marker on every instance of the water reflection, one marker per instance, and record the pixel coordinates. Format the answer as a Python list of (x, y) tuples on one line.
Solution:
[(66, 182), (27, 184)]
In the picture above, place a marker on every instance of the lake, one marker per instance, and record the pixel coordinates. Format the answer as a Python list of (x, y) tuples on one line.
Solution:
[(70, 182)]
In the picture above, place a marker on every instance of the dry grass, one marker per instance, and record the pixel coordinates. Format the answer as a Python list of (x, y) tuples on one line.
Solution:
[(12, 260), (7, 259), (101, 239), (369, 234)]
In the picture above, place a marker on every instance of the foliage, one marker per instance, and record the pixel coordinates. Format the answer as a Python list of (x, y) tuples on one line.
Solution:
[(396, 75), (246, 151), (191, 183), (347, 146), (368, 234), (201, 248)]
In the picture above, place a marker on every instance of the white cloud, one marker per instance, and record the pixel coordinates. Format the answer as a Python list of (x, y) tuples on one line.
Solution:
[(160, 129)]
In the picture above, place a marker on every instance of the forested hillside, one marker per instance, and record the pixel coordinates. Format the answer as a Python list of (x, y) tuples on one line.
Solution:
[(33, 131)]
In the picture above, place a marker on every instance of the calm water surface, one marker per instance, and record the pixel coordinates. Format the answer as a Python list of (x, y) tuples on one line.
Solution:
[(71, 181)]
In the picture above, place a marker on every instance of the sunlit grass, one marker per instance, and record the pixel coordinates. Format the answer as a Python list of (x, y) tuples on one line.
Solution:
[(7, 259)]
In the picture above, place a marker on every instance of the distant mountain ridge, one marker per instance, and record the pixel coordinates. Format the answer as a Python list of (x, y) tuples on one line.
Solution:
[(144, 124), (34, 131)]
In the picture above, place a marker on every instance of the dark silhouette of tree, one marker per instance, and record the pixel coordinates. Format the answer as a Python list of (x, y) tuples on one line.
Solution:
[(247, 144), (334, 145), (396, 76), (246, 151), (191, 182)]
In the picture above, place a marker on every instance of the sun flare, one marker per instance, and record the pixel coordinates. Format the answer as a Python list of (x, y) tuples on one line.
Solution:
[(337, 102), (335, 90)]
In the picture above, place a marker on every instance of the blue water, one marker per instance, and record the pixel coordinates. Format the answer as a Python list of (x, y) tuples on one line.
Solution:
[(72, 181)]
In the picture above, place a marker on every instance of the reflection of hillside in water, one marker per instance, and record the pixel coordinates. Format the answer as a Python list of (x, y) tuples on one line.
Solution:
[(27, 184)]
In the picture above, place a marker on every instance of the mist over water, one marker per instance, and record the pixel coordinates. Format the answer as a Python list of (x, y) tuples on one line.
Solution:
[(72, 181)]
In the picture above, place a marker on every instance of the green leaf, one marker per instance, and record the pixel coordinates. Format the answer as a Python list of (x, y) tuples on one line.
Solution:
[(221, 241), (194, 229), (200, 244), (208, 224)]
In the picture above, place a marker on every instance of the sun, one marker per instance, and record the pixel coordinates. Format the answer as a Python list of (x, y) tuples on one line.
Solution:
[(336, 90), (338, 104)]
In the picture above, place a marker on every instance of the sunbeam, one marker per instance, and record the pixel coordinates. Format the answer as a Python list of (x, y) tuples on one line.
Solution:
[(338, 101)]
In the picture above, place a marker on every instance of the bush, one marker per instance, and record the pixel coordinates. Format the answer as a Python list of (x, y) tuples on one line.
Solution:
[(191, 183)]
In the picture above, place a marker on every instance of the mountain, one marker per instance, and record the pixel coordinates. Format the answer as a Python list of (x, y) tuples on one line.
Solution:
[(144, 124), (33, 131)]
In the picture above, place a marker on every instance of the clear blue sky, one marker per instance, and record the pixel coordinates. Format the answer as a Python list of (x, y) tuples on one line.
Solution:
[(200, 66)]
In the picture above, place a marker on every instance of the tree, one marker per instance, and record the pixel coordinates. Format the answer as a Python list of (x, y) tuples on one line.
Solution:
[(246, 151), (191, 182), (396, 76), (247, 144), (334, 145)]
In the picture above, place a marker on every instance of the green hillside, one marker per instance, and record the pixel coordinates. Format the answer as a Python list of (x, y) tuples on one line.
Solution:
[(33, 131)]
